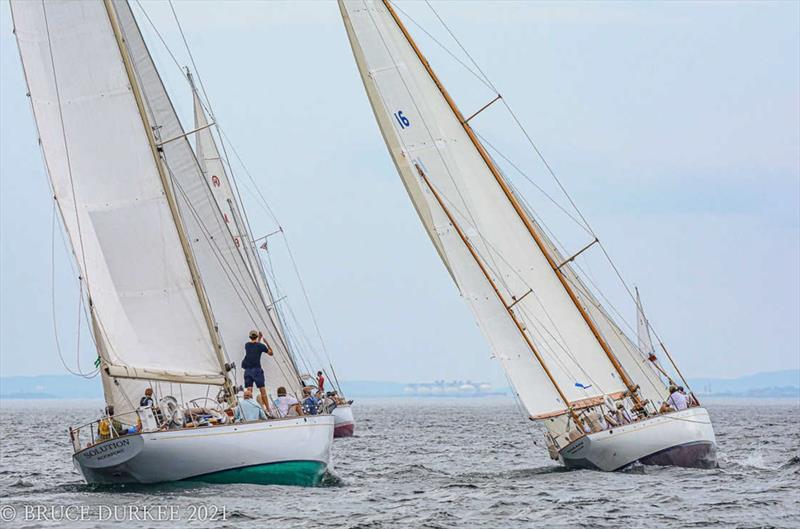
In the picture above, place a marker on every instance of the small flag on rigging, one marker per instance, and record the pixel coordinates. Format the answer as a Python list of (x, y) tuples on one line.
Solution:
[(97, 361), (264, 246), (579, 385)]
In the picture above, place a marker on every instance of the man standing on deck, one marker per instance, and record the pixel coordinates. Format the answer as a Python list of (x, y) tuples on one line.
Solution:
[(253, 374), (320, 383)]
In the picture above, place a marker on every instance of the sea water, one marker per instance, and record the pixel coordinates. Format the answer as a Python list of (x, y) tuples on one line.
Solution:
[(422, 463)]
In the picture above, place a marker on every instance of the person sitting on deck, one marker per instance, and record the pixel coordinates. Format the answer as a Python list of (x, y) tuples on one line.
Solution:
[(147, 401), (675, 402), (691, 402), (622, 415), (311, 404), (110, 427), (287, 403), (677, 399), (248, 409)]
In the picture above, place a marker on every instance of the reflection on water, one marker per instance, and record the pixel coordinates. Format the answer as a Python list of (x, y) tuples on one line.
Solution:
[(461, 463)]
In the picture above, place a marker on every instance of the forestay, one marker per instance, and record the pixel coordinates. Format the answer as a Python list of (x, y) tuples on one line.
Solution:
[(111, 196), (421, 129)]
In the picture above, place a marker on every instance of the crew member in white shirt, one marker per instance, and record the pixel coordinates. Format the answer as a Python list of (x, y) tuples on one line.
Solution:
[(287, 404), (676, 401)]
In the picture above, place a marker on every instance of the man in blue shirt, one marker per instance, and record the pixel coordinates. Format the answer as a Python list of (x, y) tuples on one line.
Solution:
[(311, 404), (248, 410), (253, 374)]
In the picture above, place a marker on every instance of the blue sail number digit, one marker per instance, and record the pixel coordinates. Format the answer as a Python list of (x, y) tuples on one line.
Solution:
[(401, 119)]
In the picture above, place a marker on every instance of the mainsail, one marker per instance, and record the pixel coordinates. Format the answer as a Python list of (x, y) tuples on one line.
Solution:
[(171, 296), (537, 323), (111, 195)]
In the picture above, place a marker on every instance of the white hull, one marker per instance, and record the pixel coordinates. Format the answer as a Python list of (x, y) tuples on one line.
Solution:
[(284, 451), (683, 438), (345, 424)]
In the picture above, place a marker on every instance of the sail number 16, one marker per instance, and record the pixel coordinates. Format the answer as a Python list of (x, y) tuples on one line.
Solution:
[(401, 119)]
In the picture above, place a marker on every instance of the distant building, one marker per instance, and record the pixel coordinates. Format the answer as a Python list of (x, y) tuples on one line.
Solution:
[(456, 388)]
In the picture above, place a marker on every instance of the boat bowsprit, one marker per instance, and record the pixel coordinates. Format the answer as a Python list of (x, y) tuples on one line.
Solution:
[(291, 451)]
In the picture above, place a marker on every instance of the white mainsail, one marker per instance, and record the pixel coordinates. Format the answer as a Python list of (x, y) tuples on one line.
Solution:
[(421, 129), (113, 202)]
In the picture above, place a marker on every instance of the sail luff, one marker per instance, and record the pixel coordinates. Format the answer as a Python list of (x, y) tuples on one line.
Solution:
[(168, 191), (419, 127), (488, 277), (508, 347), (515, 204)]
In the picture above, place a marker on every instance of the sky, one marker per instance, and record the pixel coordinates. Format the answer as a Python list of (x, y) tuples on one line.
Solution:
[(675, 126)]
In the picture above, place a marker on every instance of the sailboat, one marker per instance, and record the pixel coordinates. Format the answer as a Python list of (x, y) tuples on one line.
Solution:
[(569, 363), (165, 260), (208, 156)]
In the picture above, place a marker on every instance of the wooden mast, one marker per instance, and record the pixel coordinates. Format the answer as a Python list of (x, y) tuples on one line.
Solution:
[(173, 205), (508, 307), (632, 388)]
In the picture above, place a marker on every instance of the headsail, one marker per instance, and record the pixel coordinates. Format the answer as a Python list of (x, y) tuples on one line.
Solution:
[(111, 196), (213, 169), (422, 129)]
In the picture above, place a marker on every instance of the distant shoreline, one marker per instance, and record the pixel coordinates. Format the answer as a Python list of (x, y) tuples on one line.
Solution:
[(772, 385)]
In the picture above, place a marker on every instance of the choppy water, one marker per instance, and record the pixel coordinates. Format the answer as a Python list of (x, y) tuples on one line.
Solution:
[(434, 464)]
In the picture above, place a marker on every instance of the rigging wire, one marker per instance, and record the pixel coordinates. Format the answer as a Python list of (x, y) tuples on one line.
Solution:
[(260, 195), (483, 79), (77, 372), (208, 109), (470, 218), (552, 173)]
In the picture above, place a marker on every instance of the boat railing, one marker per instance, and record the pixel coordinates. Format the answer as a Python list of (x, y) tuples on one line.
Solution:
[(112, 427)]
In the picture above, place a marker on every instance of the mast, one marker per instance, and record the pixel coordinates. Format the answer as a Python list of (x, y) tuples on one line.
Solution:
[(632, 388), (509, 308), (168, 193)]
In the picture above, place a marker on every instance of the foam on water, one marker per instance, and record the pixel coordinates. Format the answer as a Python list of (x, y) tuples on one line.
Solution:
[(444, 464)]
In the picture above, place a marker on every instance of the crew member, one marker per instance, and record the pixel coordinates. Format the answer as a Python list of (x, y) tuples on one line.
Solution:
[(253, 374)]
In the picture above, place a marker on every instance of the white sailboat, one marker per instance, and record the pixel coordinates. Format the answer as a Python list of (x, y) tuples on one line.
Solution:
[(344, 422), (568, 362), (223, 191), (171, 287)]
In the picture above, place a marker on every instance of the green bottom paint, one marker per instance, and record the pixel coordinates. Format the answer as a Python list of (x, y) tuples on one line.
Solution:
[(300, 473)]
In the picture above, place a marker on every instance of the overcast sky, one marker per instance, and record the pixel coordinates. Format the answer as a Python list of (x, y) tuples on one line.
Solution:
[(676, 126)]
